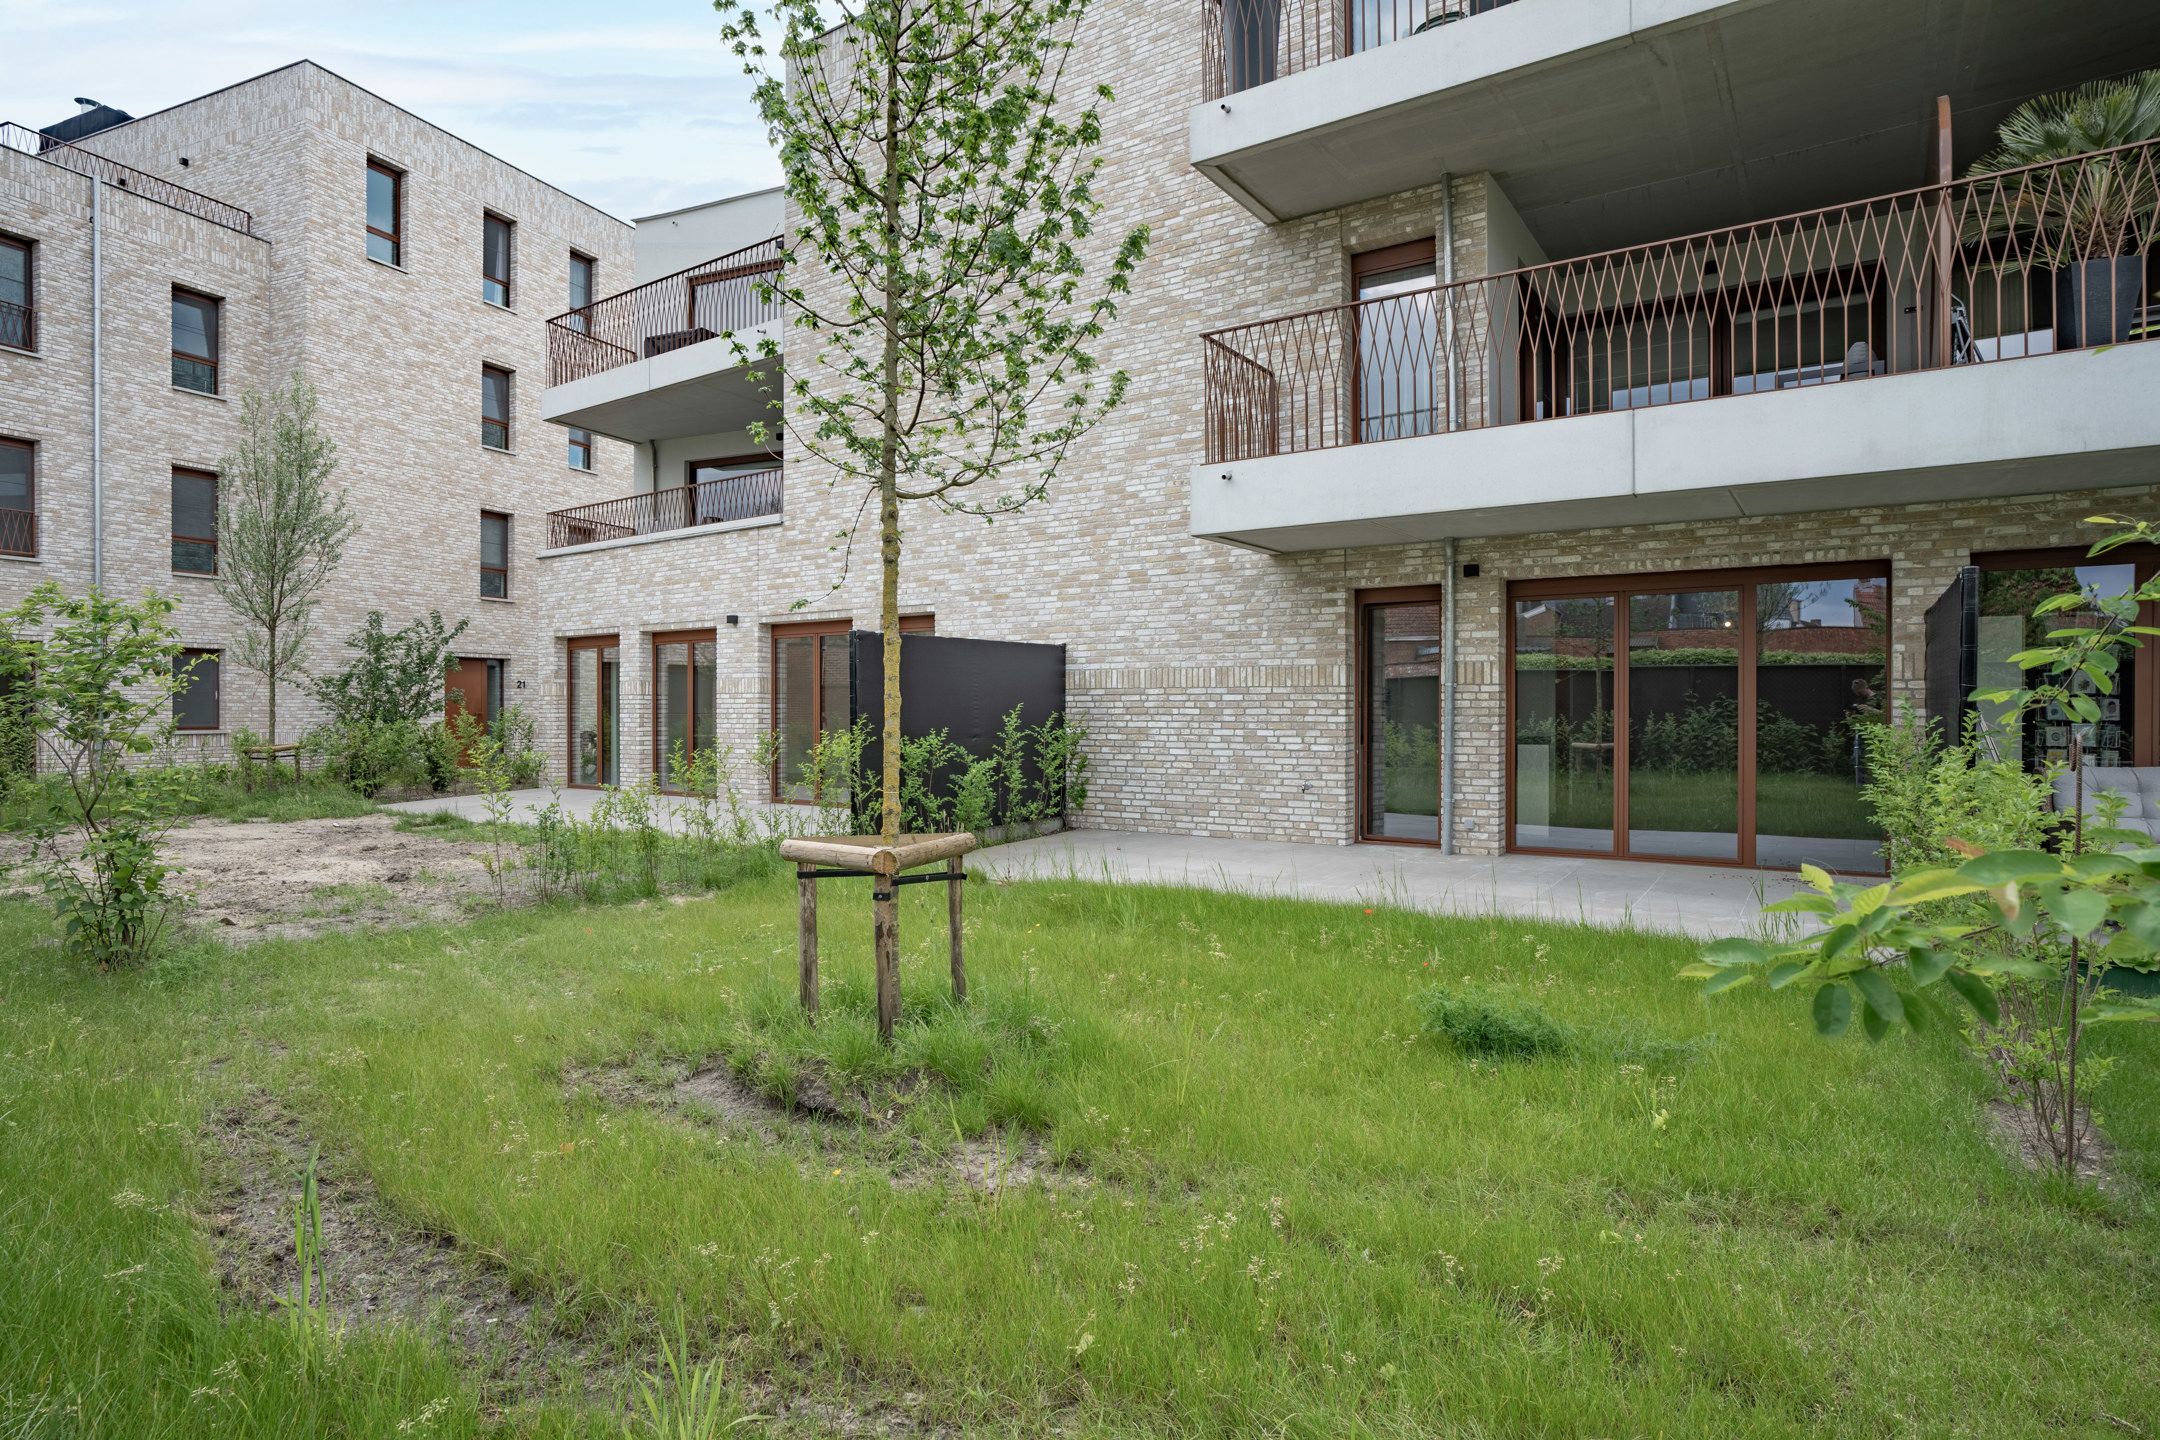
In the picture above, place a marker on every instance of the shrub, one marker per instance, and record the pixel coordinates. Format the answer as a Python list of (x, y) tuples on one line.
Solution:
[(393, 675), (1492, 1027)]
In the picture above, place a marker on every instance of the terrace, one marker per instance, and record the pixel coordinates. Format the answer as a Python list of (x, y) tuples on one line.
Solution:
[(1441, 389), (726, 500)]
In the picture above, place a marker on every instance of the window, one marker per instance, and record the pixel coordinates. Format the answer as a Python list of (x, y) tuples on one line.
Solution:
[(494, 407), (595, 690), (494, 555), (195, 703), (1398, 338), (194, 341), (685, 684), (495, 260), (16, 314), (582, 268), (385, 213), (724, 490), (194, 522), (18, 497), (580, 449), (810, 690)]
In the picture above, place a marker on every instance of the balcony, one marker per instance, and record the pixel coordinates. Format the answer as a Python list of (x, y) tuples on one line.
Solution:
[(26, 141), (1614, 121), (1951, 341), (732, 501), (667, 359)]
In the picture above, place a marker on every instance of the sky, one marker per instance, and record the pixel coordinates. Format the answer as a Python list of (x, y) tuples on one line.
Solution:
[(631, 105)]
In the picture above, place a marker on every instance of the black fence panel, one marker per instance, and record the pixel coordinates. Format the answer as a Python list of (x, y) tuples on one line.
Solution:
[(964, 687), (1952, 663)]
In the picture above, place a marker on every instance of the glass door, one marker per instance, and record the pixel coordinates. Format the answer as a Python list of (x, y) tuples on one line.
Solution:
[(1399, 643), (595, 693), (1682, 700), (684, 686), (2010, 586), (1398, 342), (1820, 674), (1562, 701)]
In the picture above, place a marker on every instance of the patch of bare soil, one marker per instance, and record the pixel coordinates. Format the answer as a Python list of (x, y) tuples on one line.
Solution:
[(2017, 1132), (824, 1124), (254, 880), (377, 1269)]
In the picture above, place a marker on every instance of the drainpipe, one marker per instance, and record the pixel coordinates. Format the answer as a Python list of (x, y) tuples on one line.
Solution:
[(97, 390), (1447, 703), (1447, 282)]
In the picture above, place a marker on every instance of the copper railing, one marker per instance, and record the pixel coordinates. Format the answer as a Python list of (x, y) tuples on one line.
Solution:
[(2058, 256), (18, 532), (700, 303), (112, 172), (657, 512), (1250, 42)]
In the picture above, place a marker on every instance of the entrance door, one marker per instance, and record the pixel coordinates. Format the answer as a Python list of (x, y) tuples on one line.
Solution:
[(474, 688), (1398, 709), (595, 695), (1708, 717), (684, 674)]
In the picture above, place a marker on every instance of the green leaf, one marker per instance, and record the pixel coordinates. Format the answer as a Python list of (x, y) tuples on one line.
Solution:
[(1833, 1010), (1787, 971), (1818, 879), (1736, 950), (2009, 867), (1977, 992), (1873, 1023), (1927, 966), (1727, 979), (1802, 904), (2080, 912), (1870, 900), (1881, 996), (1924, 885)]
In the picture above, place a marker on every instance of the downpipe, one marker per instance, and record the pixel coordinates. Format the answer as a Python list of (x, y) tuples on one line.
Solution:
[(1447, 702), (97, 386)]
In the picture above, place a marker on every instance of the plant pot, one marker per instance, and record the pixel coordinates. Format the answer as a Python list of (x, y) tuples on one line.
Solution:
[(2096, 301)]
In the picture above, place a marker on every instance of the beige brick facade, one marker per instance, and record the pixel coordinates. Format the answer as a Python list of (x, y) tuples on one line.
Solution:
[(395, 354)]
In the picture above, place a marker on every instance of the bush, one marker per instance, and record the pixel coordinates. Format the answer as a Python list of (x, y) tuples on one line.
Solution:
[(1925, 794), (373, 756), (1492, 1027)]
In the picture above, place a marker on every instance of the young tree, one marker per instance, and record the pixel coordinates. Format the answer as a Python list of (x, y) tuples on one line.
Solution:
[(281, 529), (943, 201), (92, 678)]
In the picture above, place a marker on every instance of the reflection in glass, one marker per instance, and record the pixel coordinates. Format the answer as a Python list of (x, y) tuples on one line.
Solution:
[(1819, 676), (1402, 716), (1563, 739), (671, 668), (1398, 340), (1684, 724), (1809, 342), (593, 696), (1649, 360), (796, 717), (2008, 626), (1378, 22)]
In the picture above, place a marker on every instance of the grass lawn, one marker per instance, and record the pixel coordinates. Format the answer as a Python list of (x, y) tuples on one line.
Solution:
[(1279, 1209)]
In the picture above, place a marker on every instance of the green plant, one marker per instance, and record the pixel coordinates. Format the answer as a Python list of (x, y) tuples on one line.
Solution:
[(2110, 208), (941, 190), (94, 678), (974, 800), (394, 675), (681, 1401), (1490, 1026), (516, 733), (281, 530)]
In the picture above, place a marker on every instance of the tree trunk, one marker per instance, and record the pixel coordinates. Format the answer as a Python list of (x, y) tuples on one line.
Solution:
[(889, 462)]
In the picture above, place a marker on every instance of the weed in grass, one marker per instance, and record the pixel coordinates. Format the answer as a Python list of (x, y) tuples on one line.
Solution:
[(681, 1401), (1490, 1026)]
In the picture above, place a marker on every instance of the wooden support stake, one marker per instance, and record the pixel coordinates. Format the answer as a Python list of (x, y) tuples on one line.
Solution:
[(806, 889), (885, 918), (953, 888)]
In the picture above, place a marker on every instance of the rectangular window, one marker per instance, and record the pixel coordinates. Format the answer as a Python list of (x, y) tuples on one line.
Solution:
[(495, 260), (194, 341), (195, 702), (194, 522), (385, 213), (582, 269), (718, 491), (494, 407), (494, 555), (16, 314), (580, 449), (810, 695), (18, 497)]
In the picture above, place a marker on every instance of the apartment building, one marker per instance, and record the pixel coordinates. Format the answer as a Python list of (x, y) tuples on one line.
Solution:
[(1555, 424), (153, 269)]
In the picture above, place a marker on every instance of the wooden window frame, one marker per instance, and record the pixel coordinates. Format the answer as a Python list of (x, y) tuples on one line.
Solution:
[(211, 540), (217, 343), (592, 279), (1622, 588), (1423, 251), (217, 692), (603, 644), (29, 307), (503, 569), (577, 445), (919, 624), (1361, 698), (692, 639), (509, 378), (488, 220), (9, 541), (395, 235)]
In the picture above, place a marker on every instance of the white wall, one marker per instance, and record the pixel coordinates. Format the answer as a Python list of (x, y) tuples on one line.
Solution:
[(675, 454), (682, 238)]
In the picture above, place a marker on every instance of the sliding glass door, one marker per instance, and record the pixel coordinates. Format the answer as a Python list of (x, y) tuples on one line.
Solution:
[(1399, 647), (684, 682), (1707, 717), (595, 695)]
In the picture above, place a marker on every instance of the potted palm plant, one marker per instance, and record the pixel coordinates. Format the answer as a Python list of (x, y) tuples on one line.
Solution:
[(2091, 227)]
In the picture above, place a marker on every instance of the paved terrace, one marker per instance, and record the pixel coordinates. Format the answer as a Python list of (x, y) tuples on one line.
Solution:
[(1684, 899)]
